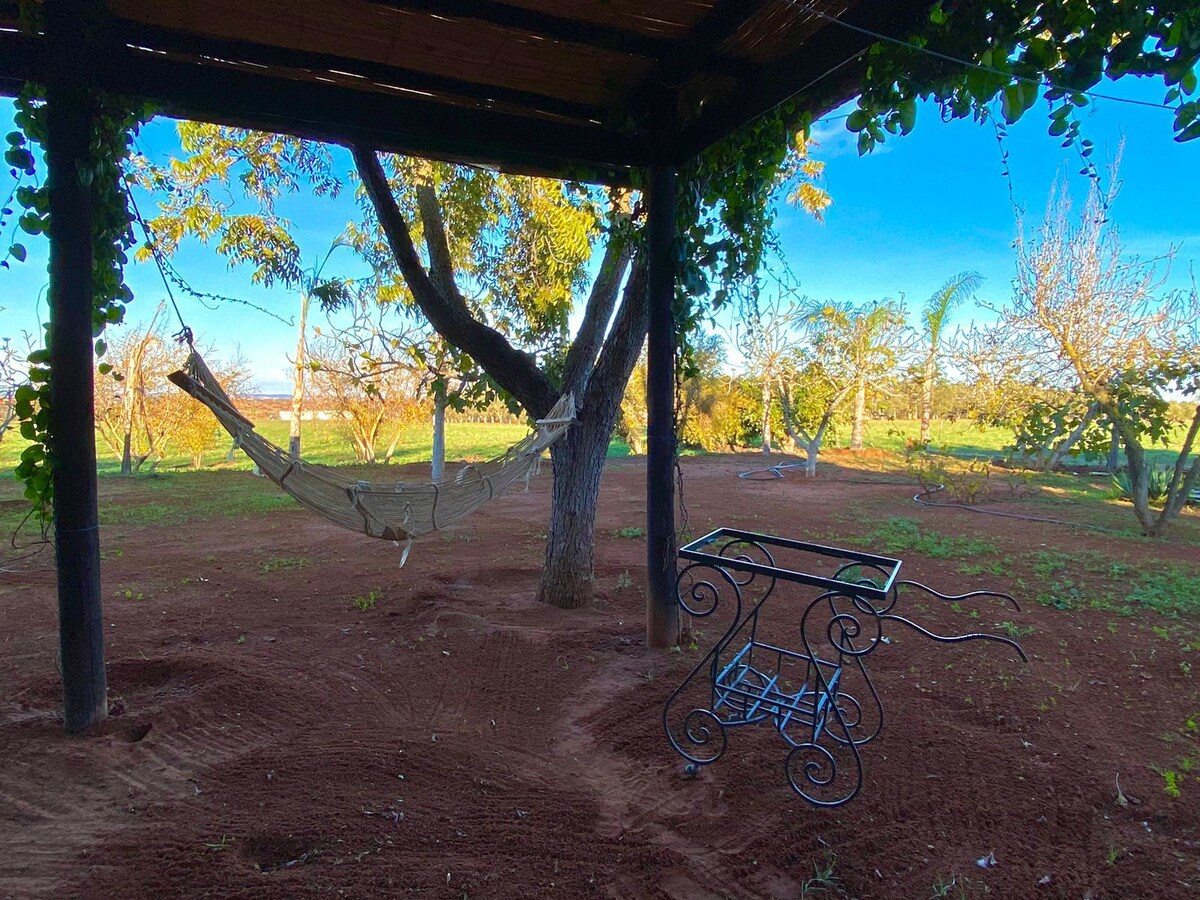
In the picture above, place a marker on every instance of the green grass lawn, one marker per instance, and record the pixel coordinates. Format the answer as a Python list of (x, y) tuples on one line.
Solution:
[(326, 443), (966, 439)]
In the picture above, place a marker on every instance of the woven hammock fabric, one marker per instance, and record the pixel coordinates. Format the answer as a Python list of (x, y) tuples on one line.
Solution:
[(392, 511)]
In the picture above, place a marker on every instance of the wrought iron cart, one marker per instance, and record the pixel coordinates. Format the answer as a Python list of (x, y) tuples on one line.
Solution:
[(797, 663)]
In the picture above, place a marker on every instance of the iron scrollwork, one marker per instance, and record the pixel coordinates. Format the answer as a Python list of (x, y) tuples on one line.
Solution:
[(813, 687)]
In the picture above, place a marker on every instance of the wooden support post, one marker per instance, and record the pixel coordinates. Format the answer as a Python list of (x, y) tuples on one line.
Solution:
[(662, 612), (69, 114)]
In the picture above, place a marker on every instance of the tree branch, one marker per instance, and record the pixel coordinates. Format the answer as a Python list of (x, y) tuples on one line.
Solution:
[(621, 350), (513, 370), (441, 267), (581, 358)]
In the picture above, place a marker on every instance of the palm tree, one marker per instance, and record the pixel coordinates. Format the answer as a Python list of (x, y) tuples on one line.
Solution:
[(937, 308)]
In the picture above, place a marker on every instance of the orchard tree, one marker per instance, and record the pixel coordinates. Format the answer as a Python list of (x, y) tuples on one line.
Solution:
[(726, 209), (810, 397), (768, 341), (867, 341), (799, 354), (367, 365), (1100, 323), (123, 414), (937, 310)]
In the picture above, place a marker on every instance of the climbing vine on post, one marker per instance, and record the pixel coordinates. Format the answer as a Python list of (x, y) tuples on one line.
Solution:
[(115, 126)]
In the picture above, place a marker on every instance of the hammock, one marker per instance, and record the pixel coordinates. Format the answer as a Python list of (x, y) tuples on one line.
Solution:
[(392, 511)]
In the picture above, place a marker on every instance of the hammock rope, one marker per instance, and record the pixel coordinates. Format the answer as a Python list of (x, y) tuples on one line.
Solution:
[(391, 511)]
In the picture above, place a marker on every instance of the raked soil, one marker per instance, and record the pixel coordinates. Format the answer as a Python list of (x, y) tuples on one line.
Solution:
[(269, 739)]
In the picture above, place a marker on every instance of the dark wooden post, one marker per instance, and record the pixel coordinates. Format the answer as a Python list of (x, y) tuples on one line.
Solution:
[(69, 113), (662, 613)]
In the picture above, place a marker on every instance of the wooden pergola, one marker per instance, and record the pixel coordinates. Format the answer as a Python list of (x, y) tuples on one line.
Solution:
[(592, 90)]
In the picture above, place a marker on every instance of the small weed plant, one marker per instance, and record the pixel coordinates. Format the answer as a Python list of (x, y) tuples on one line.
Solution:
[(366, 602)]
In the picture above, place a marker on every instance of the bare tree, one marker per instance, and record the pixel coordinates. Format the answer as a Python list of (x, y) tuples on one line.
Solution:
[(1095, 321), (370, 375), (13, 377)]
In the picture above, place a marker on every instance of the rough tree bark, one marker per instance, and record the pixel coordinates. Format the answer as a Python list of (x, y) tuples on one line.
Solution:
[(766, 418), (860, 412), (927, 398), (438, 465), (596, 369)]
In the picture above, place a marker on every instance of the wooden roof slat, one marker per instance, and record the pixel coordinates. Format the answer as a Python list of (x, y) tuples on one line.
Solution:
[(182, 42), (547, 25), (469, 51), (665, 18)]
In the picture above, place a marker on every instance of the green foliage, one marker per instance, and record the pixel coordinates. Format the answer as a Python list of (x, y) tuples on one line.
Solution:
[(962, 481), (1167, 589), (630, 532), (899, 534), (284, 564), (725, 214), (194, 197), (1158, 484), (524, 242), (1018, 47), (366, 602), (1044, 426), (116, 123), (1171, 780), (1086, 579), (1013, 630)]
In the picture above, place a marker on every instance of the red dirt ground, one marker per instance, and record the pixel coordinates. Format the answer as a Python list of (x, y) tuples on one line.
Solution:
[(270, 740)]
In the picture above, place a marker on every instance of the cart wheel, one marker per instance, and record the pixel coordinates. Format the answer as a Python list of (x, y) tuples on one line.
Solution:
[(691, 770)]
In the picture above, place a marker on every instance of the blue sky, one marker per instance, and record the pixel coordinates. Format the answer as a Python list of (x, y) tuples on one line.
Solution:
[(903, 220)]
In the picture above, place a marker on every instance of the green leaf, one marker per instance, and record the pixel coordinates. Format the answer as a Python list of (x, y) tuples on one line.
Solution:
[(1012, 103), (30, 223), (858, 120), (1058, 127), (1188, 82), (908, 115), (17, 252), (1189, 134)]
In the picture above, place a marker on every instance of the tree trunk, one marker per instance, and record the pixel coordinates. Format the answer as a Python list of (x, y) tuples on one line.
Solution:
[(298, 381), (126, 454), (578, 456), (1114, 451), (927, 400), (766, 419), (860, 412), (439, 430), (568, 579), (1061, 451)]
